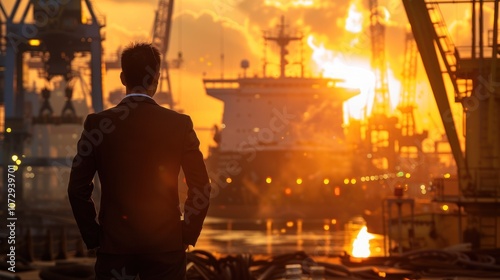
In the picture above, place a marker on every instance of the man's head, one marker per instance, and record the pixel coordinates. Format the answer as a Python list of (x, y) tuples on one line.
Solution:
[(140, 68)]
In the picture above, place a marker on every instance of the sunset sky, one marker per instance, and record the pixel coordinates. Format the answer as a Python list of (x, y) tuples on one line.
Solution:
[(202, 30)]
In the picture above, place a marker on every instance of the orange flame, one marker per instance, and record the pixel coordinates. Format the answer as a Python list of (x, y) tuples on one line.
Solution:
[(354, 20), (357, 73), (332, 65), (361, 245)]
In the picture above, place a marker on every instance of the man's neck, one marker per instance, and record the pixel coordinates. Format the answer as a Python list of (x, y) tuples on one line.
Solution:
[(128, 91)]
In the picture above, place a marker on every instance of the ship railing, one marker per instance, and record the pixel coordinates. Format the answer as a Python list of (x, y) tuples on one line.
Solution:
[(221, 83)]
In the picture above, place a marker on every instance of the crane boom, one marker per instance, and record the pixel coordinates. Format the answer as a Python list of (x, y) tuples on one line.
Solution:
[(423, 31), (161, 40)]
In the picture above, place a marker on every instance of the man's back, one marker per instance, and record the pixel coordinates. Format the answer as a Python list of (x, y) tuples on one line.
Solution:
[(138, 164), (137, 148)]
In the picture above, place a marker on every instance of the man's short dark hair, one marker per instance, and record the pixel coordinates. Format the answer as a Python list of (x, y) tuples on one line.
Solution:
[(140, 62)]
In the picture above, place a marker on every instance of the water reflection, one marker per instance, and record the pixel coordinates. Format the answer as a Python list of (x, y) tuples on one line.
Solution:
[(274, 237)]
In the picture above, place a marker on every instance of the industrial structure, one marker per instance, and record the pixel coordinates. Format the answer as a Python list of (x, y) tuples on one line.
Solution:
[(160, 38), (474, 74), (58, 35), (256, 160), (279, 139), (381, 132)]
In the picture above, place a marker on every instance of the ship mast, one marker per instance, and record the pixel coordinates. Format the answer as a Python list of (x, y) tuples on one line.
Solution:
[(282, 40)]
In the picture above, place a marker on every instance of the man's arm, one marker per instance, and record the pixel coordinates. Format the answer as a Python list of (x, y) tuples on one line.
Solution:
[(80, 188), (197, 202)]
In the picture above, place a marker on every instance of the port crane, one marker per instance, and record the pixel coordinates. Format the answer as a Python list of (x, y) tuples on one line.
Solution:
[(162, 26), (474, 76), (381, 131), (409, 142), (58, 34), (161, 39)]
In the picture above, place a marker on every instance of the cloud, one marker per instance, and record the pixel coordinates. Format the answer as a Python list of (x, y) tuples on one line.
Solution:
[(203, 38)]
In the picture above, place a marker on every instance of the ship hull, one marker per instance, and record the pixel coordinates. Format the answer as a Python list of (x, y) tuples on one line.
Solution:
[(297, 183)]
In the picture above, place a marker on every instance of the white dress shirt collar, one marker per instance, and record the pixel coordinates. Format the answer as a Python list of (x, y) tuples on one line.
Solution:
[(137, 94)]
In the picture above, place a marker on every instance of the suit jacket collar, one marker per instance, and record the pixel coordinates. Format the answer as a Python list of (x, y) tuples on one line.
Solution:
[(135, 99)]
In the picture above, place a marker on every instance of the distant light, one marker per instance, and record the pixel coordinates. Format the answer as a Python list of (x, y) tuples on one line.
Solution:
[(288, 191), (14, 158), (369, 156), (363, 179), (423, 191), (299, 181), (8, 130), (422, 187), (18, 162), (229, 180), (346, 181), (353, 181), (289, 224), (400, 174), (334, 221), (34, 42), (223, 125), (447, 175), (29, 168), (256, 129), (386, 176), (283, 230), (269, 180), (326, 227), (376, 177), (445, 207), (382, 274), (408, 175), (336, 191), (326, 181), (372, 177)]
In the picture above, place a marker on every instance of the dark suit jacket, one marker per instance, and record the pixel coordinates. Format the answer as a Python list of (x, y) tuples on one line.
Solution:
[(137, 149)]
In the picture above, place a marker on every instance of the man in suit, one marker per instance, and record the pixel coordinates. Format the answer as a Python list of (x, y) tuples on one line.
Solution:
[(137, 148)]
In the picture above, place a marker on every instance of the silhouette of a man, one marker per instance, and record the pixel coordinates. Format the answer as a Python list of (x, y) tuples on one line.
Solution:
[(137, 149)]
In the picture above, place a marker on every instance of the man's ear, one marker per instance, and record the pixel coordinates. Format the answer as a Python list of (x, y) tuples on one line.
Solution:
[(122, 79)]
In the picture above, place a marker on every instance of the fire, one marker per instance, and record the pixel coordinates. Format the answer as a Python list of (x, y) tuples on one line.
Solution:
[(356, 73), (361, 245), (354, 20), (332, 65)]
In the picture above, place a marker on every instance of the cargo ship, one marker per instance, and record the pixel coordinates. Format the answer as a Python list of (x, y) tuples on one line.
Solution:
[(281, 149)]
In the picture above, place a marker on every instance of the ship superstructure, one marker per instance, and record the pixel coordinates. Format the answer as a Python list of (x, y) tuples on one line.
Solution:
[(281, 148)]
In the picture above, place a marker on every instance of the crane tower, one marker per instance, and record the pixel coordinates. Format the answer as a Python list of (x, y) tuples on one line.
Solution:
[(381, 129)]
